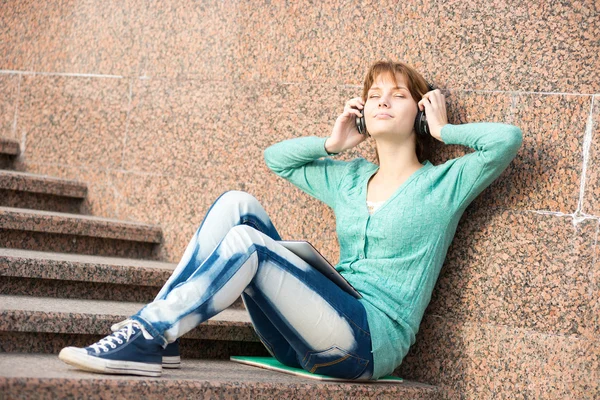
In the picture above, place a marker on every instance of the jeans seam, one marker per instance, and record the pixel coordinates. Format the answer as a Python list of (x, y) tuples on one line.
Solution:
[(353, 354), (327, 364), (349, 354)]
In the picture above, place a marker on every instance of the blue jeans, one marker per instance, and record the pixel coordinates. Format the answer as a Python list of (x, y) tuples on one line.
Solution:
[(303, 319)]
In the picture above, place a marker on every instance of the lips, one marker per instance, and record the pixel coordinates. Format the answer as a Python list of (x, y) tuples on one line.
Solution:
[(383, 115)]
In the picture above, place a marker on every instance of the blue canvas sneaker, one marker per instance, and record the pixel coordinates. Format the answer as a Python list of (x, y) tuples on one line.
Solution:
[(170, 355), (129, 350)]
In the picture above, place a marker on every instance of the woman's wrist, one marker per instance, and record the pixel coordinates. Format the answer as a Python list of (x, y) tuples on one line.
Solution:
[(330, 147), (437, 132)]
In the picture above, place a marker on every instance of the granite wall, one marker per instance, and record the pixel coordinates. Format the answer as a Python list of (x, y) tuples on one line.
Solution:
[(162, 105)]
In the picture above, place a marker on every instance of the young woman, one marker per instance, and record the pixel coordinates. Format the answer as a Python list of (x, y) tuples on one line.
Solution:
[(395, 222)]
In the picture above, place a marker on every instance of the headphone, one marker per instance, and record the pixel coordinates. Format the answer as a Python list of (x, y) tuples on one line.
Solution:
[(420, 125)]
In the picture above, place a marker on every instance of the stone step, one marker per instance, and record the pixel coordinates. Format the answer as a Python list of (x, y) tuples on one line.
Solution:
[(40, 192), (44, 274), (73, 233), (41, 376), (46, 325), (9, 147), (9, 151)]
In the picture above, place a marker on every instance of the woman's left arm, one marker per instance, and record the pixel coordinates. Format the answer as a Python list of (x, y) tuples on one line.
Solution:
[(495, 145)]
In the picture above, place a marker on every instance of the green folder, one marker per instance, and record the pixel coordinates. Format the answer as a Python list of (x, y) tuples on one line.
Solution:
[(272, 364)]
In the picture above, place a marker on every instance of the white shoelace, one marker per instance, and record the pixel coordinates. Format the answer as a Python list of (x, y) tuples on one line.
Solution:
[(123, 330)]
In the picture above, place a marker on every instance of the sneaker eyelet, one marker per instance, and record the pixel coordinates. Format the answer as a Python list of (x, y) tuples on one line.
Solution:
[(112, 345)]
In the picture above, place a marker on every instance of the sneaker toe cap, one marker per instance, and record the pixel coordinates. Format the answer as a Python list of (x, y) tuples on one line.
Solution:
[(72, 350)]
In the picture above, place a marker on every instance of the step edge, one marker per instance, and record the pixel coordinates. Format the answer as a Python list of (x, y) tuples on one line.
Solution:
[(10, 147), (22, 266), (127, 230), (49, 185)]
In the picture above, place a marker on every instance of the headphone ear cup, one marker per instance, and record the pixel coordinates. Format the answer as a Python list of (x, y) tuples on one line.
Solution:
[(421, 126)]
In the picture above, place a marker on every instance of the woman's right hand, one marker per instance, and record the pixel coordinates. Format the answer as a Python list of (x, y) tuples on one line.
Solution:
[(345, 135)]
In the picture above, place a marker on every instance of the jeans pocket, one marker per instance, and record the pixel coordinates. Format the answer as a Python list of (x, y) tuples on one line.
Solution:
[(335, 362)]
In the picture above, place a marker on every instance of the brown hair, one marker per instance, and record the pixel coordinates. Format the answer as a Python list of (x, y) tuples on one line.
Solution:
[(417, 86)]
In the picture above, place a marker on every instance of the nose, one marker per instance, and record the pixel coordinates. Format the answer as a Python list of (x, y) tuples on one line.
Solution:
[(383, 103)]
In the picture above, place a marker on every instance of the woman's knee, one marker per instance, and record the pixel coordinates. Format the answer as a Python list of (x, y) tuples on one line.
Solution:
[(239, 239), (237, 198)]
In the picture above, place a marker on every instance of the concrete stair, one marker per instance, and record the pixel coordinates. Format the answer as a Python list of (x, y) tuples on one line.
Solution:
[(24, 190), (46, 325), (74, 233), (46, 274), (28, 376), (37, 273), (66, 277)]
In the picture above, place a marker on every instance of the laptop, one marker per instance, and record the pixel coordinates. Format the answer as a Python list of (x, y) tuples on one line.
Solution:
[(308, 253)]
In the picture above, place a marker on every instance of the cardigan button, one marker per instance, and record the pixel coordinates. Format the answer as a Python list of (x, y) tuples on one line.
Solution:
[(361, 256)]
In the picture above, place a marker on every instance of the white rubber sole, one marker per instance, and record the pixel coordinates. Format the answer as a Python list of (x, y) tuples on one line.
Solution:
[(79, 358), (173, 362)]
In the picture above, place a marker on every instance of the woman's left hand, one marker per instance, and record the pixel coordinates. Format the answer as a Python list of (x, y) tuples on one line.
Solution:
[(434, 103)]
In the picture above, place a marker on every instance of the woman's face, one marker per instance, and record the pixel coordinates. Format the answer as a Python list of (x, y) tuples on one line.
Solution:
[(390, 110)]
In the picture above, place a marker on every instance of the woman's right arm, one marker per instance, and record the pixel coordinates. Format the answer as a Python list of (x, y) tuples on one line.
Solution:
[(305, 163)]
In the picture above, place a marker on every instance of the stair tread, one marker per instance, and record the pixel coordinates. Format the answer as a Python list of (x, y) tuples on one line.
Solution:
[(27, 182), (9, 146), (85, 259), (196, 375), (75, 224), (15, 303), (78, 267)]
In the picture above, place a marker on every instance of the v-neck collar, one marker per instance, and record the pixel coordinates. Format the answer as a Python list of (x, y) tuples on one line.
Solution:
[(399, 190)]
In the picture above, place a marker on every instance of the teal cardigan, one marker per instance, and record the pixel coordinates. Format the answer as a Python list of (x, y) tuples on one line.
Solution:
[(393, 257)]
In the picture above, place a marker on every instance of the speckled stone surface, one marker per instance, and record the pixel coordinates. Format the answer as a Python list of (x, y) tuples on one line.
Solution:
[(177, 128), (591, 200), (90, 112), (476, 360), (72, 224), (515, 45), (9, 88), (190, 39), (72, 36), (331, 41), (546, 175), (94, 317), (520, 269), (197, 379), (539, 48)]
